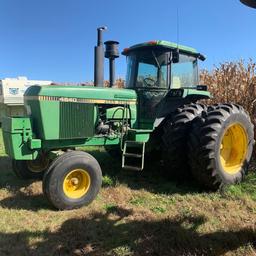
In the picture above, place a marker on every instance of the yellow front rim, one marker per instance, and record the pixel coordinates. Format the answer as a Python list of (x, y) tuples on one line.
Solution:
[(233, 148), (76, 183)]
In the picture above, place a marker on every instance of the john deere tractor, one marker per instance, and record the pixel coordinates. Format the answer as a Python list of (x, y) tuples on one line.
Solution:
[(158, 113)]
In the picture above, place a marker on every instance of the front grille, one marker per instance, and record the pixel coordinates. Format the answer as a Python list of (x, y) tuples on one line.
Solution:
[(76, 120)]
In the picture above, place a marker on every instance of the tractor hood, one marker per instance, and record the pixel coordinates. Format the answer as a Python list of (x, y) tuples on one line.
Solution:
[(83, 94), (68, 112)]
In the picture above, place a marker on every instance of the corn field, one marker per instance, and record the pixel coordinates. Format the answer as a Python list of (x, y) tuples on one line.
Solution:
[(233, 82)]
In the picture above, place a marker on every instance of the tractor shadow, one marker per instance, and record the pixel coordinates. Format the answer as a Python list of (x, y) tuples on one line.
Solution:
[(8, 180), (116, 232), (27, 194), (153, 178)]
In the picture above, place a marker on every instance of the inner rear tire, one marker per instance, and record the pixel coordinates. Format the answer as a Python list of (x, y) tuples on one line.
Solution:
[(30, 169), (175, 136), (220, 146)]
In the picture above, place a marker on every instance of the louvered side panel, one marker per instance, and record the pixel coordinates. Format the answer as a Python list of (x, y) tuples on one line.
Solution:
[(76, 120)]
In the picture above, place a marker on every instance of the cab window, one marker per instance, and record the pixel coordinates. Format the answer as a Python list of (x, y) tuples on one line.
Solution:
[(184, 73), (147, 69)]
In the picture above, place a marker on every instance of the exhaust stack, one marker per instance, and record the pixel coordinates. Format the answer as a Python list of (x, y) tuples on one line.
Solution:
[(99, 58), (111, 53)]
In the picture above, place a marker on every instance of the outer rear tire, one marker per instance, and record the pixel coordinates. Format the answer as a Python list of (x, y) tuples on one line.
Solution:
[(175, 136), (72, 181), (220, 146)]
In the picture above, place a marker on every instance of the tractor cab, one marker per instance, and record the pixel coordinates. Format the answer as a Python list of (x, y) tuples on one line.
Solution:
[(162, 73)]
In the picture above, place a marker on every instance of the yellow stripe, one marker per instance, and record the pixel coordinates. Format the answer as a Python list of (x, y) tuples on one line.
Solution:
[(79, 100)]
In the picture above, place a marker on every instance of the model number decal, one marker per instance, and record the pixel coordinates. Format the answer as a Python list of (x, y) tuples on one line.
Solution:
[(79, 100)]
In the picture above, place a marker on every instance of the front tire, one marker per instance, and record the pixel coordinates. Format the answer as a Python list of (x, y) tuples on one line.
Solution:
[(221, 146), (73, 180)]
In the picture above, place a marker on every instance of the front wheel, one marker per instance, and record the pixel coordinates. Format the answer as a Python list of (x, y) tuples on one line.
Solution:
[(73, 180)]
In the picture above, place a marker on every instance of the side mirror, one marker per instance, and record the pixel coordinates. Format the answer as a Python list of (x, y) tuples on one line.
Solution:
[(201, 57)]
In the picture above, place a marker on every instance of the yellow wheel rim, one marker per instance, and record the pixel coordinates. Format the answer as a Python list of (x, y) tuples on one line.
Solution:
[(233, 148), (38, 165), (76, 183)]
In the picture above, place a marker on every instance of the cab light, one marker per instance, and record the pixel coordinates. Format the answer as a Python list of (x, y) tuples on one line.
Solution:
[(153, 42)]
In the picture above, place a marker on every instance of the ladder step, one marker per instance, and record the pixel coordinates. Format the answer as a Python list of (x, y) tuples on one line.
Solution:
[(134, 143), (134, 168), (136, 150), (132, 155)]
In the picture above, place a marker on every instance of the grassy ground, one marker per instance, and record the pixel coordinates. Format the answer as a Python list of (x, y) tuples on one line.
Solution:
[(134, 214)]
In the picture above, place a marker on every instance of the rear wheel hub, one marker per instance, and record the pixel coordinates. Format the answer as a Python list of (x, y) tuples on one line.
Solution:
[(233, 148)]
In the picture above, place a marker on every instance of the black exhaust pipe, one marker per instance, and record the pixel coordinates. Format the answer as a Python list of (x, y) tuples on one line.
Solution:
[(111, 53), (99, 59)]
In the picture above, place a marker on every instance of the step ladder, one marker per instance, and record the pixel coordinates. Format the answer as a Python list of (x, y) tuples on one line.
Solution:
[(133, 155)]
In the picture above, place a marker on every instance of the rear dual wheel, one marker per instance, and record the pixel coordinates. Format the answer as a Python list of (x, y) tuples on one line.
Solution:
[(73, 180), (220, 146)]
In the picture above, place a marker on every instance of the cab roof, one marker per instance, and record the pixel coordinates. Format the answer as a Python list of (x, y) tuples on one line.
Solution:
[(164, 45)]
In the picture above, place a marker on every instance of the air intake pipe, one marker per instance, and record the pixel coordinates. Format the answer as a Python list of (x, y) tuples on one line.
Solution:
[(111, 53), (99, 59)]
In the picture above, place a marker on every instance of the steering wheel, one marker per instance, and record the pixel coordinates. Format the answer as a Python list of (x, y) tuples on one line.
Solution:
[(149, 81)]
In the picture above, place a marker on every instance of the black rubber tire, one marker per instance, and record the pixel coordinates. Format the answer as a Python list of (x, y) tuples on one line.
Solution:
[(154, 146), (204, 145), (54, 178), (22, 170), (56, 161), (174, 138)]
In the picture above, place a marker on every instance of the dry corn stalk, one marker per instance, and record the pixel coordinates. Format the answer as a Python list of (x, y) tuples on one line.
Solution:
[(233, 82)]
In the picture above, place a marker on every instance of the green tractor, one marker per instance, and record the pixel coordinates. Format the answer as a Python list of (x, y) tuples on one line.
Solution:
[(158, 114)]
